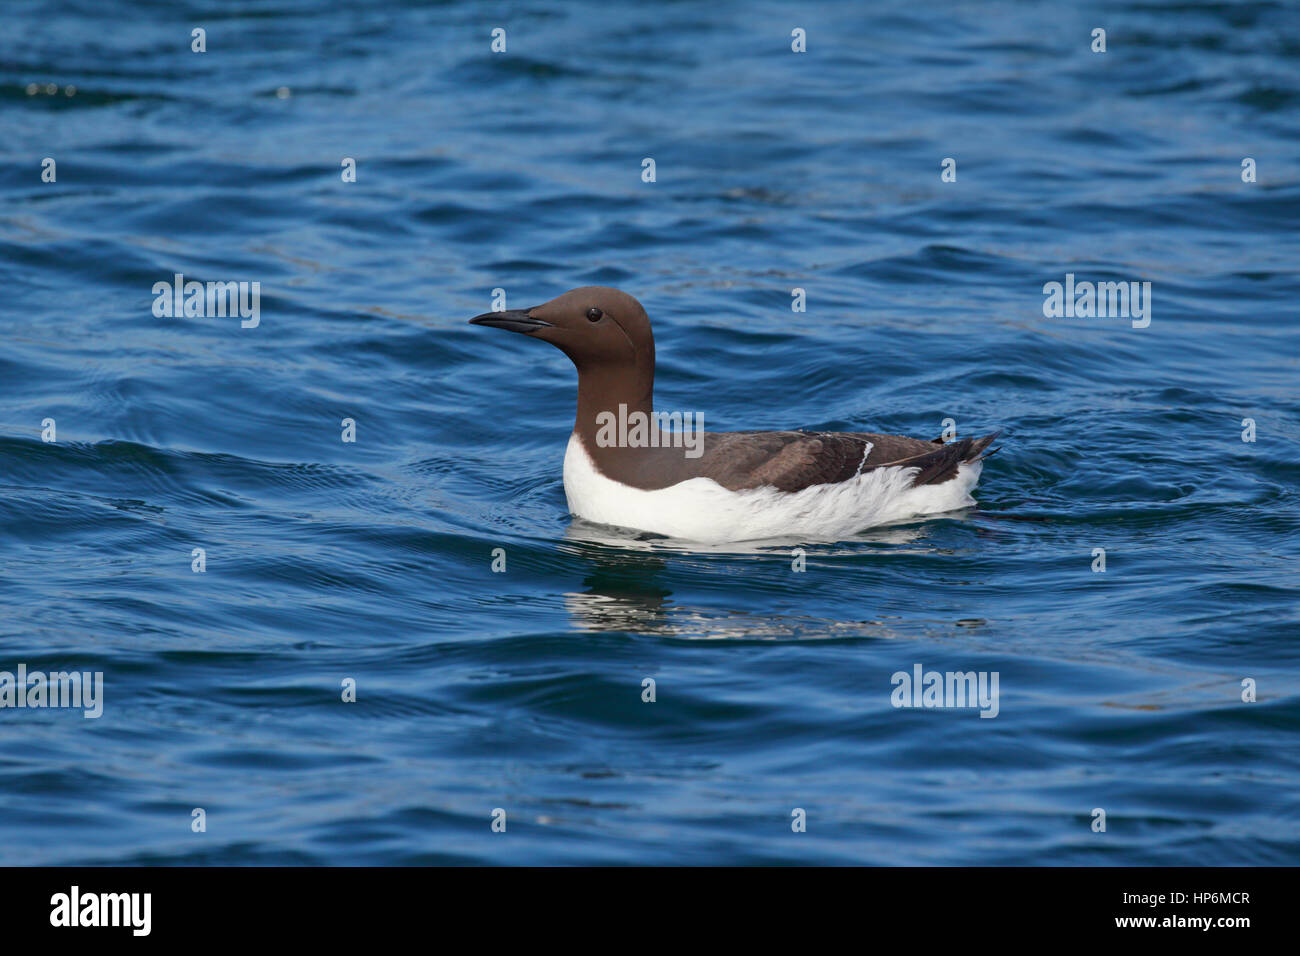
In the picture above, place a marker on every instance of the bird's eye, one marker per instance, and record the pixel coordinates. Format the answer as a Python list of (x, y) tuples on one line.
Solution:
[(595, 314)]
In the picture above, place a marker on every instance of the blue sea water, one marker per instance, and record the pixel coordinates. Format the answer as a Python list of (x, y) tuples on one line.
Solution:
[(1120, 690)]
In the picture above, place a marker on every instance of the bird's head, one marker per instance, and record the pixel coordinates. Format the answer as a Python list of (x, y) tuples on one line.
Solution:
[(595, 326)]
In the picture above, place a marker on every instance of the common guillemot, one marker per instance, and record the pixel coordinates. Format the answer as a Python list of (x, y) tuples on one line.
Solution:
[(727, 486)]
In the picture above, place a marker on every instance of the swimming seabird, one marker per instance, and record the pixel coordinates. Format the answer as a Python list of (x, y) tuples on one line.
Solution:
[(721, 486)]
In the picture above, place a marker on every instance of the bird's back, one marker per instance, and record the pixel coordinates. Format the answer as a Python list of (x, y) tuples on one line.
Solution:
[(793, 460)]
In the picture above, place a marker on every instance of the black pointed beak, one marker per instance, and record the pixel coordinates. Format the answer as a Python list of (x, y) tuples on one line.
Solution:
[(515, 320)]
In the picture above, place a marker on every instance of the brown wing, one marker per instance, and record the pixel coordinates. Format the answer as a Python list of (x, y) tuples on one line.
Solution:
[(791, 461)]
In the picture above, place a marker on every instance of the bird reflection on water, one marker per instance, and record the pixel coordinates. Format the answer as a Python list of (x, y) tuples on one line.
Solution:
[(625, 589)]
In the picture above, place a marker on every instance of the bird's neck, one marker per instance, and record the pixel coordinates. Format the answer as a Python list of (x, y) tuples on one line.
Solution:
[(610, 396)]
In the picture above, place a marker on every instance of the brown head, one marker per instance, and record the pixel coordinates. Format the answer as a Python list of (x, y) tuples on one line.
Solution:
[(607, 335)]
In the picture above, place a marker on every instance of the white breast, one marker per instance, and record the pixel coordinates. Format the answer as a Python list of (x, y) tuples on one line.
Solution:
[(702, 510)]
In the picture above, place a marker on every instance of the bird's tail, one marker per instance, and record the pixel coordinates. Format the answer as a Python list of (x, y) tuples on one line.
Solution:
[(942, 463), (978, 447)]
